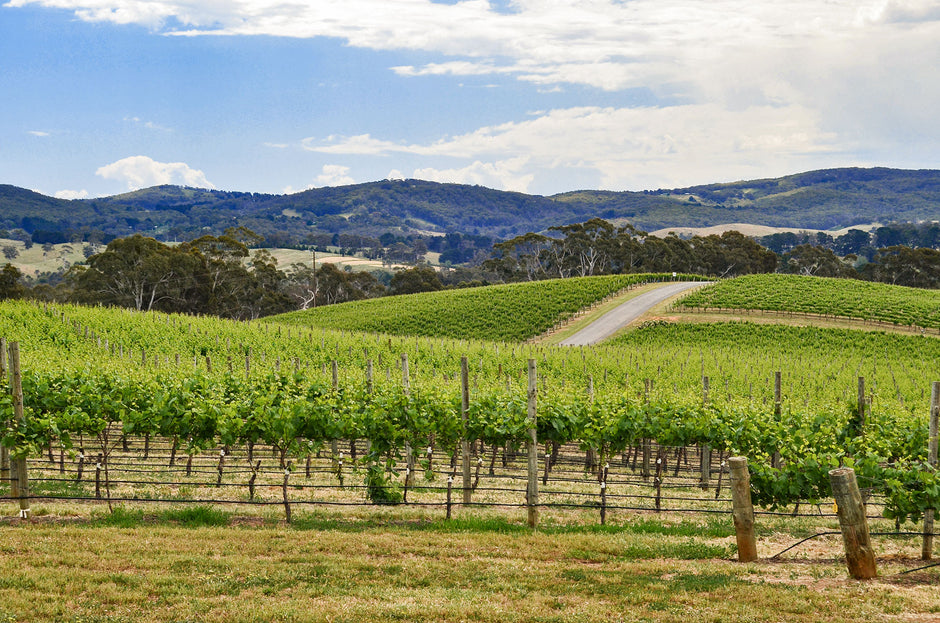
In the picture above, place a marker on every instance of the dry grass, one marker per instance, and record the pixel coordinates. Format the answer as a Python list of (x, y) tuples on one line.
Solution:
[(330, 570), (194, 562)]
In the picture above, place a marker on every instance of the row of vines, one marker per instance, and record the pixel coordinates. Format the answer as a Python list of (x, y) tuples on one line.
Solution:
[(205, 383)]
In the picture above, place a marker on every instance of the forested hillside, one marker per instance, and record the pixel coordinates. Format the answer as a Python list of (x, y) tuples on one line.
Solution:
[(825, 199)]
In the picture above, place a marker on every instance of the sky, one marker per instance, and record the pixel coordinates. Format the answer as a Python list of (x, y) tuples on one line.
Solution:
[(99, 97)]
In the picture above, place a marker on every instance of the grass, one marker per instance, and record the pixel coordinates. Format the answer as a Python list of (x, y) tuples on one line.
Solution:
[(511, 312), (168, 567)]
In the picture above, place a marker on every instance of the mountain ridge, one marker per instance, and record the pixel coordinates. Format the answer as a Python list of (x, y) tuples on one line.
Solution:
[(823, 199)]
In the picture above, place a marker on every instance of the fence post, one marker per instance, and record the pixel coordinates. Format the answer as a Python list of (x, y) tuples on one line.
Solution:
[(464, 416), (742, 509), (409, 453), (861, 404), (334, 443), (532, 497), (859, 556), (778, 400), (927, 548), (22, 478), (4, 453)]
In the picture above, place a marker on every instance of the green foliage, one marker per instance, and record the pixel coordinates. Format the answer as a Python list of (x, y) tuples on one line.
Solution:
[(505, 312), (819, 295), (77, 385)]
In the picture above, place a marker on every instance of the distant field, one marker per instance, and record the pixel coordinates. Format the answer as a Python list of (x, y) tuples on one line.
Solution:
[(817, 295), (41, 259), (505, 312)]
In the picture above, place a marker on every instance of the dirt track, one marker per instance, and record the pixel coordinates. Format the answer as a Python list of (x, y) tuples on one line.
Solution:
[(624, 314)]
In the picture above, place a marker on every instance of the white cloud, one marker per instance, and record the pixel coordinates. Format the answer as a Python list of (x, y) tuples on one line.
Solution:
[(39, 133), (505, 174), (745, 87), (71, 194), (334, 175), (141, 172), (331, 175), (626, 147), (150, 125), (395, 174)]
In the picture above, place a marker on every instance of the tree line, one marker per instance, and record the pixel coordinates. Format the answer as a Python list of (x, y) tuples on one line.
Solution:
[(597, 247), (216, 275), (224, 276)]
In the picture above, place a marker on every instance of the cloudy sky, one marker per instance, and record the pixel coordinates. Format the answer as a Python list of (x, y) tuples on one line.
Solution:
[(541, 96)]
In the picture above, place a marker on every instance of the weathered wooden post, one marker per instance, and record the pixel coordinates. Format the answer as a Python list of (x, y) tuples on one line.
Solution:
[(742, 509), (22, 478), (4, 452), (532, 497), (861, 404), (409, 453), (464, 416), (859, 556), (334, 443), (927, 548), (778, 399)]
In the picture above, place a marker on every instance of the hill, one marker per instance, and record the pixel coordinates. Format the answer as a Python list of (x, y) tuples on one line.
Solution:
[(828, 199), (509, 312)]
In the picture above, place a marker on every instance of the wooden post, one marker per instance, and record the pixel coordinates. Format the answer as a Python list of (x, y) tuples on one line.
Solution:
[(4, 452), (334, 443), (287, 471), (532, 497), (464, 416), (775, 459), (705, 451), (409, 452), (777, 394), (859, 556), (22, 478), (927, 548), (861, 404), (743, 509), (647, 443)]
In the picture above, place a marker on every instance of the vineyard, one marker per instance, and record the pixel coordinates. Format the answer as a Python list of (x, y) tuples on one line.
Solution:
[(845, 298), (511, 312), (94, 378)]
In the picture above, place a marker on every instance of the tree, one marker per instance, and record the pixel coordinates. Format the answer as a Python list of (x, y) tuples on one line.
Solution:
[(523, 258), (807, 259), (131, 272), (904, 266), (586, 248), (11, 286), (417, 279)]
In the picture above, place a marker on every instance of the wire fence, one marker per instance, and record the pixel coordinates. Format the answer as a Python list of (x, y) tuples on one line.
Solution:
[(156, 471)]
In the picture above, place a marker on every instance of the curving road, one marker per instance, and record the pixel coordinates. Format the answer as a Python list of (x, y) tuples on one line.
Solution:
[(627, 312)]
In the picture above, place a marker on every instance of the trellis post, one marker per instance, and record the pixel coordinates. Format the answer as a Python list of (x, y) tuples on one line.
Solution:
[(532, 497)]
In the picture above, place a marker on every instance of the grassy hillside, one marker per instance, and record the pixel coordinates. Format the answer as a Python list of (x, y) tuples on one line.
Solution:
[(511, 312), (825, 199), (819, 295)]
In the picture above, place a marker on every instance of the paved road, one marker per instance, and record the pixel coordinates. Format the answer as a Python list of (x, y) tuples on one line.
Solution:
[(627, 312)]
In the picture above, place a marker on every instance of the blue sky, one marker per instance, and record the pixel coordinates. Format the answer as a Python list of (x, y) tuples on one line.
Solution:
[(99, 97)]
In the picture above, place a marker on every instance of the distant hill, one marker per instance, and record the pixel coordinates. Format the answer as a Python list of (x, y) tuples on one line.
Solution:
[(827, 199)]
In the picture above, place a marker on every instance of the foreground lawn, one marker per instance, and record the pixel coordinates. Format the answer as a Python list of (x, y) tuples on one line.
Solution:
[(139, 568)]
